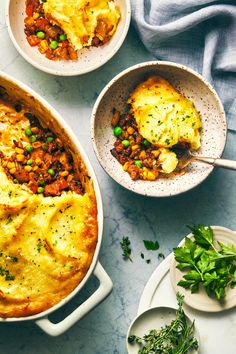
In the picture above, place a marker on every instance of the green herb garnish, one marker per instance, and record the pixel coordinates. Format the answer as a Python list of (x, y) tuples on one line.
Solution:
[(161, 256), (150, 245), (125, 245), (176, 337), (213, 267)]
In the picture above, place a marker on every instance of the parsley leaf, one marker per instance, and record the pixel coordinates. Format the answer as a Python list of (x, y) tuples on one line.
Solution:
[(203, 235), (150, 245), (206, 265)]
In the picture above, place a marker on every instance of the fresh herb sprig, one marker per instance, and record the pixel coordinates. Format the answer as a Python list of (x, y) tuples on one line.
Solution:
[(176, 337), (206, 264), (125, 246)]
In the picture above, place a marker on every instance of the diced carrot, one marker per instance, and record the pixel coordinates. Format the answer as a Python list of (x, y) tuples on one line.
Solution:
[(41, 23), (29, 10), (33, 40)]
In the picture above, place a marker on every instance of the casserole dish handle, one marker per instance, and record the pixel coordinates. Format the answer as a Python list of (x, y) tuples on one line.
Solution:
[(105, 287)]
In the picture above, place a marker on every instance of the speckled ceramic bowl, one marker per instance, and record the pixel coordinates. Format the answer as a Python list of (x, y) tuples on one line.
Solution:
[(191, 85), (88, 58)]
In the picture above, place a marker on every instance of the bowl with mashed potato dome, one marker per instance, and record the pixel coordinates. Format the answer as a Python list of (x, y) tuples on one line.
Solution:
[(147, 118), (51, 213), (68, 37)]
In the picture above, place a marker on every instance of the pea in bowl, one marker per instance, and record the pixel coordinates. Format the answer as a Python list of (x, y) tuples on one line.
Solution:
[(115, 109)]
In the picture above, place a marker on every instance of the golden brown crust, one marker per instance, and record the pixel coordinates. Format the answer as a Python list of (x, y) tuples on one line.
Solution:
[(46, 245)]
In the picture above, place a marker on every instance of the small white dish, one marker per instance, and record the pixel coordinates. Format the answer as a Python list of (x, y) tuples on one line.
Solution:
[(89, 59), (200, 300), (193, 86), (153, 318)]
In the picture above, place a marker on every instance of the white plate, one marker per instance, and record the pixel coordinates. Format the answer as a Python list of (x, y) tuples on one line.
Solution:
[(200, 300), (153, 318), (217, 330)]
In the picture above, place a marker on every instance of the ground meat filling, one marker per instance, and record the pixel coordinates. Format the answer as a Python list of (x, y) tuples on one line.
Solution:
[(43, 164), (137, 155), (41, 31)]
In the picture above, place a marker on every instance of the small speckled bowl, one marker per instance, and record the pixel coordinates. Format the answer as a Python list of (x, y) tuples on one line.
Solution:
[(193, 86), (89, 59)]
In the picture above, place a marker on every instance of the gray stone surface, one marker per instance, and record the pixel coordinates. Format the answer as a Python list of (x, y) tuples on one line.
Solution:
[(103, 331)]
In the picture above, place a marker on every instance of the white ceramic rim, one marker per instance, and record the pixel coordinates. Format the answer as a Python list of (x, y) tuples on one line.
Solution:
[(72, 136), (70, 73), (123, 73)]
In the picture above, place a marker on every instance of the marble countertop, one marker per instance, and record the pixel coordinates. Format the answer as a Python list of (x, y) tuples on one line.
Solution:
[(212, 203)]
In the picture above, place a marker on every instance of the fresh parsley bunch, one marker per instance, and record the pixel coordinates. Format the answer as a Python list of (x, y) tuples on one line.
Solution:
[(174, 338), (213, 267)]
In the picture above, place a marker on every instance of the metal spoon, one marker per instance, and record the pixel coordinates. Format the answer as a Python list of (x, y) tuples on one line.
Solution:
[(186, 158)]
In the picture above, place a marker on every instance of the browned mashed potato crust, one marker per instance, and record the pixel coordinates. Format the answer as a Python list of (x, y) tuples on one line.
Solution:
[(47, 244)]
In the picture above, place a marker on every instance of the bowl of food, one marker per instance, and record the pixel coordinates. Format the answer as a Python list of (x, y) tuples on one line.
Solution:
[(68, 37), (51, 213), (147, 117)]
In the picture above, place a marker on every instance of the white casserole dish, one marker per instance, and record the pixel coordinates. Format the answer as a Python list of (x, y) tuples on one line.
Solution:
[(42, 109)]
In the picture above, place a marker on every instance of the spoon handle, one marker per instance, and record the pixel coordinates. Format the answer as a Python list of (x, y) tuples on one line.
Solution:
[(229, 164)]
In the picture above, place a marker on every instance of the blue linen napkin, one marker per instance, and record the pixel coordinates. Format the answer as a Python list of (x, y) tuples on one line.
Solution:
[(198, 33)]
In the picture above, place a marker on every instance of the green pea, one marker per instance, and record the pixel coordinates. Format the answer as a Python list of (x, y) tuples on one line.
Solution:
[(146, 143), (29, 148), (42, 182), (33, 138), (117, 131), (50, 139), (126, 143), (40, 190), (40, 34), (51, 172), (63, 37), (53, 45), (28, 132), (138, 163), (29, 162)]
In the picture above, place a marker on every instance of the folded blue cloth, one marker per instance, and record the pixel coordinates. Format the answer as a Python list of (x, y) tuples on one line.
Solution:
[(198, 33)]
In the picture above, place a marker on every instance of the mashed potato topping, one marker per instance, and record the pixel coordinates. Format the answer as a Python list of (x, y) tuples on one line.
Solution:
[(81, 20), (47, 243), (159, 122), (165, 118)]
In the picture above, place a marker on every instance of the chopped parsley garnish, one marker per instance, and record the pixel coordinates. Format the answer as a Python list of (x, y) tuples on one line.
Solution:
[(167, 141), (39, 246), (161, 256), (5, 272), (9, 220), (14, 259)]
